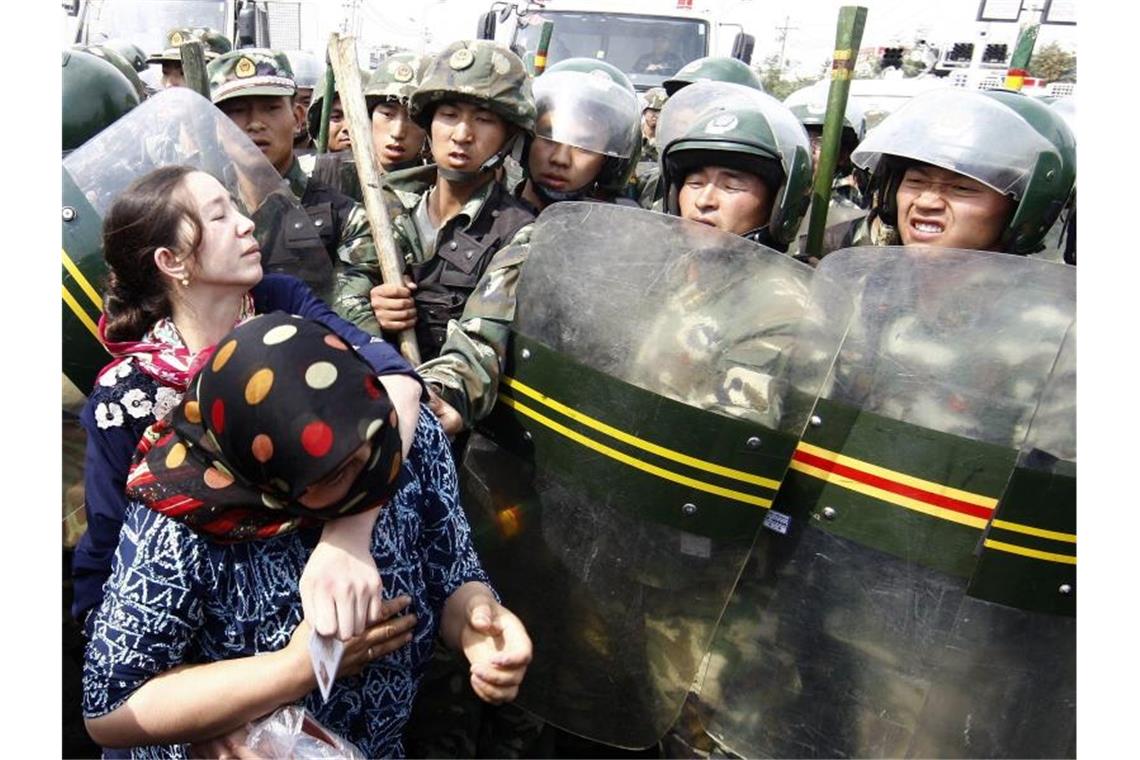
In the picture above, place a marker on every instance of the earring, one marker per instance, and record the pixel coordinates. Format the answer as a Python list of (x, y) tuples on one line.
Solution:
[(185, 280)]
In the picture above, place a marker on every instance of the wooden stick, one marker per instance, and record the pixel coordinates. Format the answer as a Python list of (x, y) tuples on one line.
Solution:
[(342, 56)]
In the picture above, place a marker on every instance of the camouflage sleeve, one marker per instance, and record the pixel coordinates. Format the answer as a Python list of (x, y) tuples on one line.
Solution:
[(466, 372), (358, 271)]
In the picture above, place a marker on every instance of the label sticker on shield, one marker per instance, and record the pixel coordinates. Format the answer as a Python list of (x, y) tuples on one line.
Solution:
[(778, 522), (696, 546)]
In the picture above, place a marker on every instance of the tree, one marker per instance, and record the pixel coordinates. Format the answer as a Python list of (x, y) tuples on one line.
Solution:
[(771, 76), (1053, 63)]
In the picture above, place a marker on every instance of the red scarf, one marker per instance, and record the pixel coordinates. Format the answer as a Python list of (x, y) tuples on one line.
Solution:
[(161, 353)]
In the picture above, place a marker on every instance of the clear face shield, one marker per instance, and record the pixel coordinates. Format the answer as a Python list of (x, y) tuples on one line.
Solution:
[(963, 132), (587, 111)]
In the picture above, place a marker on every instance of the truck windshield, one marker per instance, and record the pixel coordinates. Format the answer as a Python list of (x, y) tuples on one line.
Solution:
[(648, 49), (145, 22)]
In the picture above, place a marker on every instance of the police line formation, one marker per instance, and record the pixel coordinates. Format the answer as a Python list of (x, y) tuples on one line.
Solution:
[(661, 480)]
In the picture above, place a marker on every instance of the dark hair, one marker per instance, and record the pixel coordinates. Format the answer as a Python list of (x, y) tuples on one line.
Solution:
[(146, 216)]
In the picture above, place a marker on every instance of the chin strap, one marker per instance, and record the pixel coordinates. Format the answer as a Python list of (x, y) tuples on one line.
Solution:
[(491, 164), (548, 196)]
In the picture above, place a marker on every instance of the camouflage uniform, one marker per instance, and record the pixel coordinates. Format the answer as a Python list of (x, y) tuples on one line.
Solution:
[(579, 102), (448, 719), (340, 222)]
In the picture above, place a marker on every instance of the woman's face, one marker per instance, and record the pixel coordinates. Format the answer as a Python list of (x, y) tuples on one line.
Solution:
[(395, 137), (334, 486), (228, 254)]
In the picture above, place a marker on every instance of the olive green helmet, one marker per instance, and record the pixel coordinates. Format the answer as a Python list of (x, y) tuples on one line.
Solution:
[(95, 94), (1013, 144), (726, 124), (593, 66), (714, 68), (130, 51), (313, 116), (592, 105), (214, 44), (397, 77), (655, 99), (478, 71), (112, 56), (810, 106)]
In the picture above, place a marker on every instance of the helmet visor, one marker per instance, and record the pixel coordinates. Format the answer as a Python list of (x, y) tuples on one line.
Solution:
[(698, 101), (587, 111), (962, 131)]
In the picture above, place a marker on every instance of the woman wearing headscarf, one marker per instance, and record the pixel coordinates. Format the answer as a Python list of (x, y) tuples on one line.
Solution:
[(202, 627)]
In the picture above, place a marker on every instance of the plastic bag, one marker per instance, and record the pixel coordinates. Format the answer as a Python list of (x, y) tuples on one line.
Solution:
[(291, 732)]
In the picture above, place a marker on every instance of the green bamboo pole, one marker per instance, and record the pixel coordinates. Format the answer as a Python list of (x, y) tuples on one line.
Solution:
[(848, 36)]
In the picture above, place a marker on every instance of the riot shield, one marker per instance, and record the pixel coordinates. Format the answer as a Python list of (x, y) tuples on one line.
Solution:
[(176, 126), (658, 377), (924, 604)]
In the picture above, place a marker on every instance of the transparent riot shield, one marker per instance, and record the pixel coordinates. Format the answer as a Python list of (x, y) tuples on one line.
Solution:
[(921, 607), (659, 375), (176, 126)]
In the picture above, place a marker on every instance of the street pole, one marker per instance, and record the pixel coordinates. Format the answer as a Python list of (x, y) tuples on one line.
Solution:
[(848, 37)]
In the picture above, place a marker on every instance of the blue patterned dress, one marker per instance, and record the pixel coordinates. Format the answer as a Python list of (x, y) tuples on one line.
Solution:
[(176, 597)]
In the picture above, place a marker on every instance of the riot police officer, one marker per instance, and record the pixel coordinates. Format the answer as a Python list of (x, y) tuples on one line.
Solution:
[(736, 159), (710, 68), (654, 102), (397, 141), (476, 105), (586, 135), (993, 178)]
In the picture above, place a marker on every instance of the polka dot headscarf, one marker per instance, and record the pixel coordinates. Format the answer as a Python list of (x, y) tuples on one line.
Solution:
[(281, 405)]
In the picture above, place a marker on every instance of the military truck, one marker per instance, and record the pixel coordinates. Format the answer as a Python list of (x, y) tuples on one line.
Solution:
[(626, 34)]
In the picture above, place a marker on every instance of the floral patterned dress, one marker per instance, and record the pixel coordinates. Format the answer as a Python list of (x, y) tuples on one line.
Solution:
[(176, 597)]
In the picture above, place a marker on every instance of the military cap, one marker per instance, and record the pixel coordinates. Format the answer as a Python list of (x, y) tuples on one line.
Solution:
[(214, 43), (250, 71), (479, 71), (396, 78), (655, 99)]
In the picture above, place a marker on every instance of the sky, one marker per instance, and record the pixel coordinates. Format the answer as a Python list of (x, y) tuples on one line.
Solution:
[(810, 36)]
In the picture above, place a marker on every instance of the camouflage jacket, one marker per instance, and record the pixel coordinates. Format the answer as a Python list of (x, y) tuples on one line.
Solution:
[(466, 372), (357, 266)]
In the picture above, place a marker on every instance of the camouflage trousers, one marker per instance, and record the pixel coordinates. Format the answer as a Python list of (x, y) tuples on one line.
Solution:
[(449, 720)]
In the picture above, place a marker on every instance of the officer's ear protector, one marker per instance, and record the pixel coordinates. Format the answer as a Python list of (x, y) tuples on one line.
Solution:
[(1035, 213), (792, 199)]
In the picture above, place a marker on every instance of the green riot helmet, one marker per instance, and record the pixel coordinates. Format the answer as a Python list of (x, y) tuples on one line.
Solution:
[(396, 79), (313, 116), (1011, 143), (487, 74), (592, 105), (655, 99), (715, 68), (95, 94), (810, 106), (726, 124), (112, 56), (591, 65), (133, 54)]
